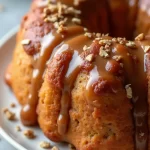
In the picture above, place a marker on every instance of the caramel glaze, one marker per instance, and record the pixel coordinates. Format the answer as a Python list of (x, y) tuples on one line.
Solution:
[(103, 76), (48, 44), (96, 14), (43, 40)]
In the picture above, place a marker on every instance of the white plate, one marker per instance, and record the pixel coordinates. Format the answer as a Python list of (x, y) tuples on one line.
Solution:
[(7, 128)]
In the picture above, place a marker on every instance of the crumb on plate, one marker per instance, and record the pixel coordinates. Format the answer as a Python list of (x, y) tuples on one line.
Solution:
[(29, 134), (45, 144)]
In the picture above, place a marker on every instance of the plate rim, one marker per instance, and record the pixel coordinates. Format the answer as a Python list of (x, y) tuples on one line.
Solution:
[(3, 133)]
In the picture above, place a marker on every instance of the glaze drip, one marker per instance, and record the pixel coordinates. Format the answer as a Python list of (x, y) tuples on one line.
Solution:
[(49, 43), (103, 77)]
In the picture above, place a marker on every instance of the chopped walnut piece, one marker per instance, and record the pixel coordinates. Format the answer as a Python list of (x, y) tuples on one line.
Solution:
[(128, 91), (18, 128), (85, 29), (86, 47), (45, 145), (103, 53), (131, 44), (76, 20), (117, 57), (52, 18), (77, 2), (25, 42), (89, 57), (141, 134), (140, 37), (29, 134), (114, 39), (107, 34), (98, 35), (146, 49), (71, 147), (104, 42), (56, 25), (61, 29), (9, 115), (121, 64), (55, 148), (88, 34), (12, 105)]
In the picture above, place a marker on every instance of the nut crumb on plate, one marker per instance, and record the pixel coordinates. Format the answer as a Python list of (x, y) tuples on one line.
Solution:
[(45, 145), (55, 148), (18, 128), (12, 105), (9, 115), (5, 110), (29, 134)]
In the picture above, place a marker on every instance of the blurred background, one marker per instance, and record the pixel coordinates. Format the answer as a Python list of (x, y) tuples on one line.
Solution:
[(11, 12)]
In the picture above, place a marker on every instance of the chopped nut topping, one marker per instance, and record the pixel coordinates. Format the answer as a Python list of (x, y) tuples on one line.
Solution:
[(103, 53), (89, 57), (10, 115), (117, 57), (12, 105), (45, 145), (55, 148), (76, 20), (128, 91), (146, 49), (25, 42), (98, 35), (18, 128), (85, 29), (56, 13), (104, 42), (121, 64), (56, 25), (131, 44), (114, 39), (141, 134), (107, 34), (89, 35), (29, 134), (51, 19), (76, 2), (140, 37), (71, 147), (61, 29), (86, 47), (122, 42)]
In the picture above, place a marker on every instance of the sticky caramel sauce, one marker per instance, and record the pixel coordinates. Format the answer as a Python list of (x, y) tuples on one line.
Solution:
[(73, 70), (50, 41), (104, 71)]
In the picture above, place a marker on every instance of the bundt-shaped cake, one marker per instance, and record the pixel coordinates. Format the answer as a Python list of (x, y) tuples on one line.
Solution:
[(84, 86)]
